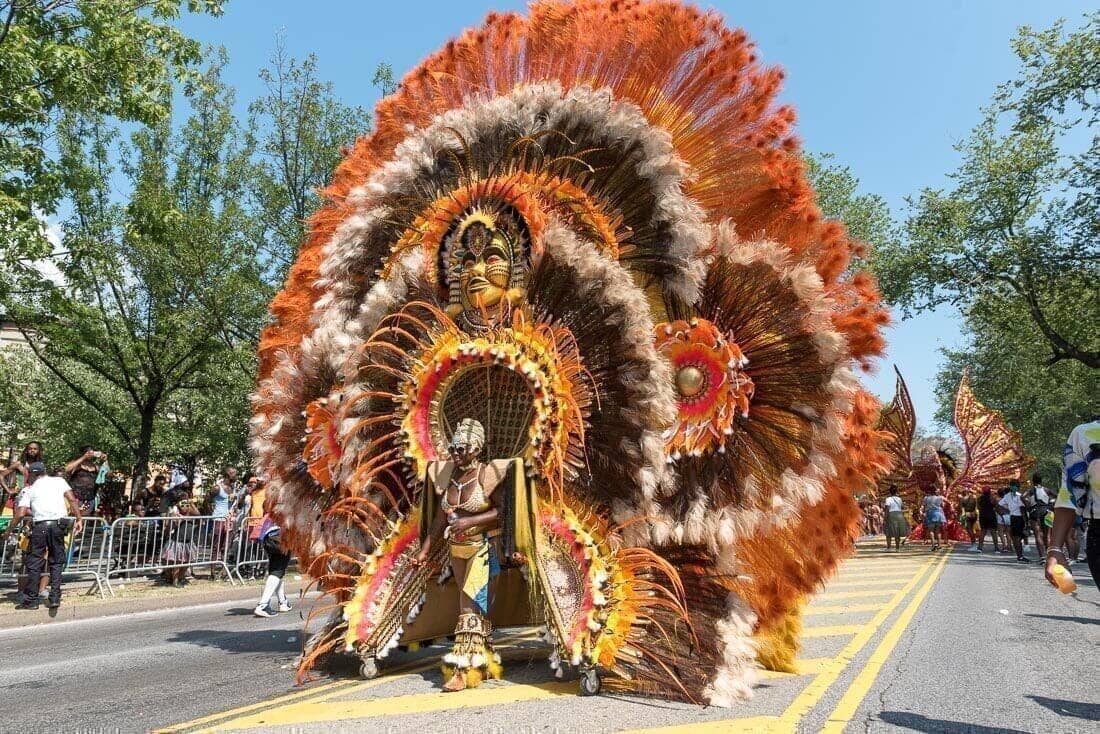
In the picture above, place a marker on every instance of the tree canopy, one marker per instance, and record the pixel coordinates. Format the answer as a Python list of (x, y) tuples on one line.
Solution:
[(1017, 231), (116, 59)]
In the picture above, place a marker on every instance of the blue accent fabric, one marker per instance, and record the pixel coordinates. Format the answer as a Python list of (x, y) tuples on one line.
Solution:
[(481, 600)]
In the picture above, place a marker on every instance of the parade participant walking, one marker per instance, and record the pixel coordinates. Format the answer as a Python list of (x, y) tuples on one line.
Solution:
[(1038, 502), (1079, 495), (1012, 507), (277, 561), (48, 501), (968, 516), (896, 527), (987, 520), (934, 518)]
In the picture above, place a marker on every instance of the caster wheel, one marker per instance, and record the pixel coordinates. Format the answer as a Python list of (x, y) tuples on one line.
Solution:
[(590, 683), (369, 668)]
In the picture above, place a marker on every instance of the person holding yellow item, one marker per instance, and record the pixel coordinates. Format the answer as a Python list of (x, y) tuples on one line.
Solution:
[(1079, 495), (468, 520)]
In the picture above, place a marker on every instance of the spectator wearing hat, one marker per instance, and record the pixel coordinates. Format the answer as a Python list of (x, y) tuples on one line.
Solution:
[(47, 501)]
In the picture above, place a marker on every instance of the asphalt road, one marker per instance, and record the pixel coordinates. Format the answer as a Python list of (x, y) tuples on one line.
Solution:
[(136, 672), (958, 643)]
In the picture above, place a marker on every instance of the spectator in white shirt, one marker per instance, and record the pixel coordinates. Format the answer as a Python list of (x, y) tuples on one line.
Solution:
[(896, 527), (48, 502), (1012, 505)]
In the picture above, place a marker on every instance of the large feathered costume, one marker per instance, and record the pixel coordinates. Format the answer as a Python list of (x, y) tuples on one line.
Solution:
[(590, 229), (994, 454)]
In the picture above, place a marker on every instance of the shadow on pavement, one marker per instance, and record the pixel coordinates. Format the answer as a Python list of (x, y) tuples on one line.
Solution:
[(260, 640), (1079, 620), (1086, 711), (916, 722)]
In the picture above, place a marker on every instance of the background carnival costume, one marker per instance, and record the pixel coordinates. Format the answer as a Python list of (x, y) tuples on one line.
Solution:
[(994, 456), (588, 230)]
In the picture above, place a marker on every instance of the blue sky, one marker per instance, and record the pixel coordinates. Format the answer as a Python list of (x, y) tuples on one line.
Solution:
[(886, 86)]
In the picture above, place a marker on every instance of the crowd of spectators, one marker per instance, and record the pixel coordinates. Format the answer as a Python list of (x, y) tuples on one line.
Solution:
[(151, 534)]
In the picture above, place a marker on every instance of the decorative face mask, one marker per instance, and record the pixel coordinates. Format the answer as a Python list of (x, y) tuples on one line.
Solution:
[(486, 266)]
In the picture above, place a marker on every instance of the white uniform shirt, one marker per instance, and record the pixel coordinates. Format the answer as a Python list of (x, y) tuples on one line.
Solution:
[(893, 504), (46, 499), (1013, 504)]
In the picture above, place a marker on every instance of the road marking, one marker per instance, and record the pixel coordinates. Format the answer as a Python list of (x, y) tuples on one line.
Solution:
[(316, 712), (841, 609), (316, 690), (855, 594), (892, 579), (836, 631), (813, 693), (875, 572), (787, 723), (849, 703), (326, 691), (754, 724), (807, 666)]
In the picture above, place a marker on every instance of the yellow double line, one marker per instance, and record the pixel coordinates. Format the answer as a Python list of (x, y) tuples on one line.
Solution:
[(788, 721), (238, 717)]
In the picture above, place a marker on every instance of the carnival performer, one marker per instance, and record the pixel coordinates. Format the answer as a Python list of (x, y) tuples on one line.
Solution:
[(469, 522), (934, 517), (896, 527), (968, 506)]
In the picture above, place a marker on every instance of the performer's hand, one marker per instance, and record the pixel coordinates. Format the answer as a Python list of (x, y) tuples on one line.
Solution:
[(420, 559)]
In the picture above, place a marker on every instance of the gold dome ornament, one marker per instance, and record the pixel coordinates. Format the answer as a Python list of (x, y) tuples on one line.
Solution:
[(690, 381)]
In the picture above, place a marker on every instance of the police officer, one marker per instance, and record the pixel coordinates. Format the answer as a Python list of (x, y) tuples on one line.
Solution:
[(47, 501)]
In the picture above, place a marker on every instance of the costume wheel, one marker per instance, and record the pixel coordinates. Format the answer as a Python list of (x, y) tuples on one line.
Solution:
[(368, 668), (590, 682)]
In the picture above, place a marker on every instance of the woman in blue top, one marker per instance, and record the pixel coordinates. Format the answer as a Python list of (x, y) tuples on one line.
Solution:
[(934, 517)]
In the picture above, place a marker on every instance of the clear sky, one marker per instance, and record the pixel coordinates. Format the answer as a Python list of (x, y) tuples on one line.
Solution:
[(888, 86)]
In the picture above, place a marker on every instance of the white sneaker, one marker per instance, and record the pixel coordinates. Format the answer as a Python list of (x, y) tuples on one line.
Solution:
[(285, 607), (262, 612)]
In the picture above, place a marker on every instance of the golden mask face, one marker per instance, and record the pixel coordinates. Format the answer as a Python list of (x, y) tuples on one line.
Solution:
[(486, 267)]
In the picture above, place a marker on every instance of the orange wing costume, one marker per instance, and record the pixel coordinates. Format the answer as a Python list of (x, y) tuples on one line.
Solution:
[(590, 229), (994, 453)]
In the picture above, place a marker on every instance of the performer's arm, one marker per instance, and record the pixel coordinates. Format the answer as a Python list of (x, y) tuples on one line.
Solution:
[(433, 537), (435, 532), (1065, 506)]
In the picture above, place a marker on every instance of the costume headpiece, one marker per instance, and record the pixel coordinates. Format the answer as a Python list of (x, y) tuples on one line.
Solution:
[(469, 434), (590, 229)]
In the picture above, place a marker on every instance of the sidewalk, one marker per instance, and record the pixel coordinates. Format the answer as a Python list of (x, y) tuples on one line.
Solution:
[(132, 597)]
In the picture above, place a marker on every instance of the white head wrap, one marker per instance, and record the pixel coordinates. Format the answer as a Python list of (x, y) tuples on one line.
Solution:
[(469, 434)]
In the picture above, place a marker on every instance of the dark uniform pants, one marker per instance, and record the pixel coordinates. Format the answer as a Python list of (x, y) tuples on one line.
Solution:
[(46, 538)]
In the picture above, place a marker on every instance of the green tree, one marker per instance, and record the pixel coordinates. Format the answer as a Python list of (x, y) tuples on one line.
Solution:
[(301, 130), (1004, 351), (76, 57), (151, 283), (1018, 232), (867, 216), (36, 406)]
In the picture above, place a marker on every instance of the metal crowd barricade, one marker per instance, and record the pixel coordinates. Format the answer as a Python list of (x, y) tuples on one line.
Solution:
[(86, 552), (153, 544), (250, 553)]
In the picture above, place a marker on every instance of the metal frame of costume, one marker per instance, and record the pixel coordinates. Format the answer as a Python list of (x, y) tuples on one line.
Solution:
[(590, 229)]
